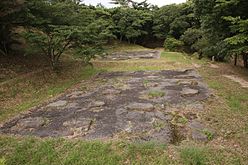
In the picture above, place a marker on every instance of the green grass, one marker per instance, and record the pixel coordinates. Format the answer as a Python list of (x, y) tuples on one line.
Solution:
[(123, 46), (60, 151), (176, 57), (53, 151), (23, 94), (193, 156), (156, 94)]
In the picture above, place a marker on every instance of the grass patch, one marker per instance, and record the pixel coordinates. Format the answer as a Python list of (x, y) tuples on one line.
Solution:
[(176, 57), (228, 111), (24, 93), (123, 46), (156, 94), (193, 156), (36, 151)]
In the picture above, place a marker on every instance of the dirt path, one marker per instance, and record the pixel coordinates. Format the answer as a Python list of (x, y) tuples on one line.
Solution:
[(237, 79)]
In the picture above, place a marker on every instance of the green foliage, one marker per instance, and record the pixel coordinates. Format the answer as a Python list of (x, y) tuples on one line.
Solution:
[(193, 156), (53, 42), (55, 27), (173, 20), (130, 24), (211, 27), (208, 133), (156, 94), (10, 13), (190, 37), (2, 161), (172, 44)]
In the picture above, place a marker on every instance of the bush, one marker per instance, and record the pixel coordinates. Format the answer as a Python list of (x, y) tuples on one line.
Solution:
[(173, 44), (190, 37)]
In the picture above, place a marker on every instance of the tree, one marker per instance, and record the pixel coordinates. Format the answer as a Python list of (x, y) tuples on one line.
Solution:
[(173, 44), (10, 13), (130, 24), (239, 41), (53, 31), (190, 37)]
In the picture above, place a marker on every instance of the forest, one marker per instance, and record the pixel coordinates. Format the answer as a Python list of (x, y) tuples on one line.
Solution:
[(211, 28), (132, 84)]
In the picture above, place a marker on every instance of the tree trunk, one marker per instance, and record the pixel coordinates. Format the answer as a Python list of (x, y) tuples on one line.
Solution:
[(245, 59), (235, 59), (200, 56)]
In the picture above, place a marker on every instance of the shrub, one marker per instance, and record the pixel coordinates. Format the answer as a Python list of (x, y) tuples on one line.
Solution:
[(173, 44), (190, 37)]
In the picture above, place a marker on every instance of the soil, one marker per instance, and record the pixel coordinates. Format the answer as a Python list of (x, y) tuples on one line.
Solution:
[(237, 79)]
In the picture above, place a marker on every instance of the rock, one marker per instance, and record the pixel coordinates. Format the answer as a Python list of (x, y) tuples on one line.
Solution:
[(134, 80), (194, 106), (97, 104), (189, 92), (136, 116), (140, 106), (196, 125), (185, 82), (129, 127), (199, 136), (111, 91), (72, 105), (160, 115), (83, 123), (120, 111), (75, 94), (199, 132), (59, 103), (96, 109), (30, 122)]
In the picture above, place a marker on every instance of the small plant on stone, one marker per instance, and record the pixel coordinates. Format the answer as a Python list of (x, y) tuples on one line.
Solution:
[(158, 125), (179, 119), (2, 161), (145, 82), (156, 94), (208, 133), (182, 120)]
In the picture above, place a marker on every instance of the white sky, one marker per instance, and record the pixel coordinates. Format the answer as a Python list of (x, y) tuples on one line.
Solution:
[(155, 2)]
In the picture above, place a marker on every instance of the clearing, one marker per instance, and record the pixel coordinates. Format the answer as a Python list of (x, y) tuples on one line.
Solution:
[(152, 109)]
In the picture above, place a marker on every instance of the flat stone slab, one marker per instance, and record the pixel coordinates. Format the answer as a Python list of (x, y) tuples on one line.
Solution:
[(127, 105), (140, 106), (189, 92), (146, 54), (58, 103)]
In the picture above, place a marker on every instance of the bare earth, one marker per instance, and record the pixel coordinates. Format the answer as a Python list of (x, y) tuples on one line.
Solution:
[(237, 79)]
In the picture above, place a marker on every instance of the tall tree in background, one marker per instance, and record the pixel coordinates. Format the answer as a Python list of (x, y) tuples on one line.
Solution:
[(9, 18), (238, 39)]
